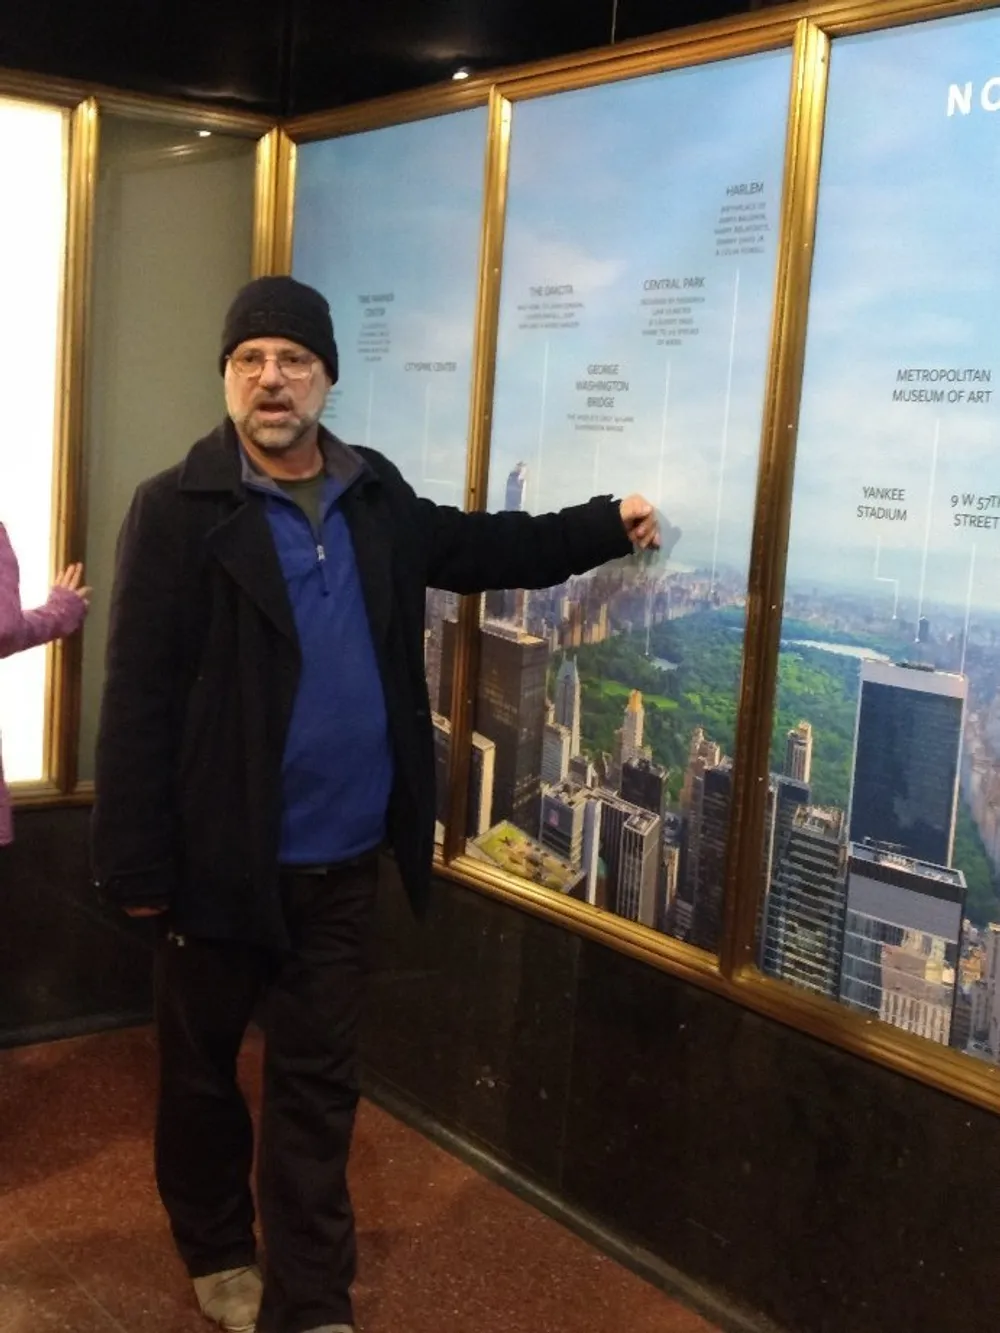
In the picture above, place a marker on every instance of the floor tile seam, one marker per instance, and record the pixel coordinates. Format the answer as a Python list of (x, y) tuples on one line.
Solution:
[(85, 1291)]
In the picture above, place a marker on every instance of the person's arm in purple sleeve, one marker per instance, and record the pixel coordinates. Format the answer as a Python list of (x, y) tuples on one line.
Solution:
[(61, 615)]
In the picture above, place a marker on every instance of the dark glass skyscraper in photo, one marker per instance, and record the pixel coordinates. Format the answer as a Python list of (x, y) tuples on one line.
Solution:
[(803, 928), (905, 785), (710, 867), (510, 711), (644, 783)]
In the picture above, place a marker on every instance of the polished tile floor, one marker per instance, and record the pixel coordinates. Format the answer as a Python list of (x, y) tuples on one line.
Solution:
[(84, 1246)]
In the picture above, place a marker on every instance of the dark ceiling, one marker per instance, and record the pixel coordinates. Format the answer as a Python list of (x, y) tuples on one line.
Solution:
[(305, 55)]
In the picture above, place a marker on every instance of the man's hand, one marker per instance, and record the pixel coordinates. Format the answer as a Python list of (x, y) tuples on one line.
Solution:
[(641, 524)]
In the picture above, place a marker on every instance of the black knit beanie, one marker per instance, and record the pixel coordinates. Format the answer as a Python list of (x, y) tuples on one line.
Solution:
[(281, 308)]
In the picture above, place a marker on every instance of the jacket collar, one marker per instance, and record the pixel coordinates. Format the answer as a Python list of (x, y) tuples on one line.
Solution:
[(242, 543), (217, 463)]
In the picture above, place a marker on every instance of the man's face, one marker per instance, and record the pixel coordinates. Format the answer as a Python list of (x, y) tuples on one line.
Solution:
[(275, 391)]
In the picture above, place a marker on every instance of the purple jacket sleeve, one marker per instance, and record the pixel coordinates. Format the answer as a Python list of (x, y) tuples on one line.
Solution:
[(62, 614)]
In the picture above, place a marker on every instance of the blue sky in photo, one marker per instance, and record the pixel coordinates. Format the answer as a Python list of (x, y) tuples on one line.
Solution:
[(611, 187), (906, 275), (397, 211)]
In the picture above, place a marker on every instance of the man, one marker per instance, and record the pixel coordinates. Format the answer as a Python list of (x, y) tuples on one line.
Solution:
[(265, 730)]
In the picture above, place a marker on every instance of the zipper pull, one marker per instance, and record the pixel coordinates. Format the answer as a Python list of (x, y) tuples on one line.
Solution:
[(321, 560)]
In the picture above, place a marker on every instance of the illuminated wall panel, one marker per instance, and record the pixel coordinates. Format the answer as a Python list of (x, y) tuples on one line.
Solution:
[(32, 244)]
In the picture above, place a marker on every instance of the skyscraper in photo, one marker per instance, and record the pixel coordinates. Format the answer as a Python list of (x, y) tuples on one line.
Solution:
[(630, 840), (442, 758), (479, 804), (633, 726), (446, 673), (555, 753), (440, 607), (639, 867), (509, 603), (562, 822), (802, 935), (710, 864), (482, 770), (798, 752), (990, 1000), (902, 936), (517, 481), (784, 797), (904, 789), (628, 737), (667, 890), (582, 771), (703, 754), (644, 783), (510, 711), (567, 702)]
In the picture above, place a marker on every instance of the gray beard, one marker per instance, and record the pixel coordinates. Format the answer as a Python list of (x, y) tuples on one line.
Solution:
[(277, 439)]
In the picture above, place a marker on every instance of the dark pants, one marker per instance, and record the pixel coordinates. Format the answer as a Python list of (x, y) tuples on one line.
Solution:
[(309, 1002)]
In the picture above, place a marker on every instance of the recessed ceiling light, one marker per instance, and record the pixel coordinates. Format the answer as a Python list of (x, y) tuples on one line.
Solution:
[(460, 74), (204, 134)]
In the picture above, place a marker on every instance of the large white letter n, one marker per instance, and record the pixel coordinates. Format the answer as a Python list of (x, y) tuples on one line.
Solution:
[(960, 99)]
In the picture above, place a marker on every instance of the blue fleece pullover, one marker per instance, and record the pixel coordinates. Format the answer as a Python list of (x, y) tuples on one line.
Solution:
[(337, 770)]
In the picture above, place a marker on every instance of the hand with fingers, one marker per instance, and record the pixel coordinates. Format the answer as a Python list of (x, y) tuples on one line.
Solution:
[(71, 580), (641, 523)]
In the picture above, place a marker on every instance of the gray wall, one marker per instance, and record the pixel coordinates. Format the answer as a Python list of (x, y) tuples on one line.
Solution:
[(173, 238)]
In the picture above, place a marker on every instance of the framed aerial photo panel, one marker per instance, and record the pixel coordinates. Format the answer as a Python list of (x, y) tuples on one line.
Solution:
[(883, 850), (387, 226), (632, 348)]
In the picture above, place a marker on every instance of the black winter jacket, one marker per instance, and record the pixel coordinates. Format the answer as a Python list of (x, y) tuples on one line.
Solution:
[(203, 665)]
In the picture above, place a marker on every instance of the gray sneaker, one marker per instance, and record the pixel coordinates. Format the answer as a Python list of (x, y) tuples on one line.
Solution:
[(231, 1298)]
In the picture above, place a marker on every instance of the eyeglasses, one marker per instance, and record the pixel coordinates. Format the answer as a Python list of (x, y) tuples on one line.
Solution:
[(249, 364)]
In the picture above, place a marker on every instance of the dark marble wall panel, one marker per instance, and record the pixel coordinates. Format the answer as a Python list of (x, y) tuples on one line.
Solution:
[(68, 962), (826, 1193), (479, 1034)]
